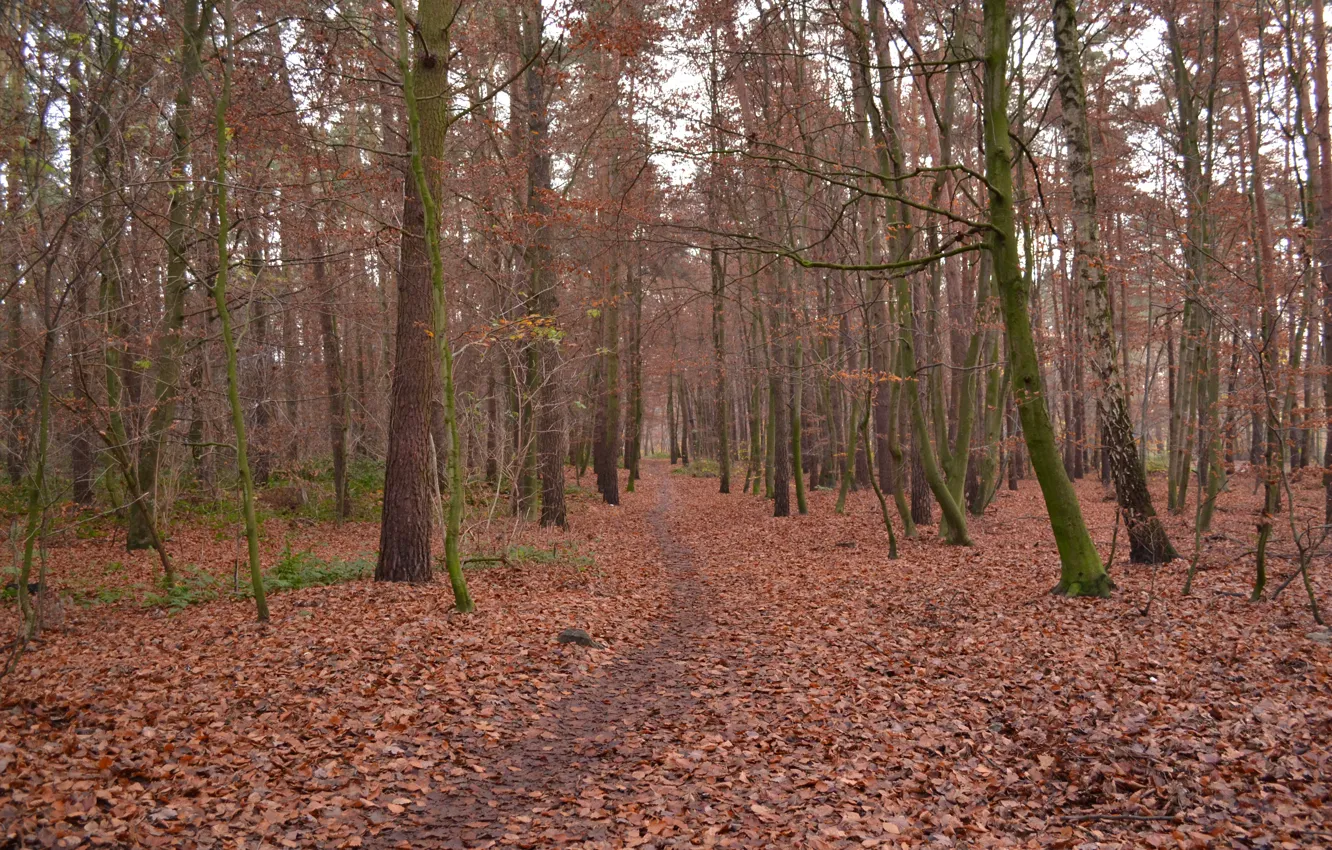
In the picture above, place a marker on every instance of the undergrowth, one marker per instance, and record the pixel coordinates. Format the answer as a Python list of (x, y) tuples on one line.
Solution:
[(700, 468), (523, 554), (299, 570), (293, 571)]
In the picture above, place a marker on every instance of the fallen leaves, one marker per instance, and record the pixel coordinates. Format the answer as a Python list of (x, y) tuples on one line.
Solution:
[(763, 687), (204, 729)]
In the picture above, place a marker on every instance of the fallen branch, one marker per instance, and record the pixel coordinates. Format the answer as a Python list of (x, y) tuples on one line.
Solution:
[(1095, 816)]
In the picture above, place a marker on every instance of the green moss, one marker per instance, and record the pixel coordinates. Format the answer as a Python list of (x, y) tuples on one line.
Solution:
[(1098, 587)]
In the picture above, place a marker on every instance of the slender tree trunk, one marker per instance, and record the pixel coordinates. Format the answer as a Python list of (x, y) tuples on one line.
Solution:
[(228, 340), (633, 419), (1323, 129), (781, 432), (885, 127), (717, 264), (1082, 573), (552, 432), (1148, 541), (607, 450), (334, 378), (82, 459), (672, 437)]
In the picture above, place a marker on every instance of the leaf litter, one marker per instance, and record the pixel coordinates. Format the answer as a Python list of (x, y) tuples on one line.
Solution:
[(764, 685)]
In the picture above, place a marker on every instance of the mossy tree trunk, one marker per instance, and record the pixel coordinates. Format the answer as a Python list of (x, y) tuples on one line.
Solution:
[(885, 129), (228, 337), (195, 19), (1081, 570), (426, 131), (405, 525)]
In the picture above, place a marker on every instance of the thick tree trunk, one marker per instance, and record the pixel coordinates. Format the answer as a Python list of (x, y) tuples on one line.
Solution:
[(404, 538), (425, 135)]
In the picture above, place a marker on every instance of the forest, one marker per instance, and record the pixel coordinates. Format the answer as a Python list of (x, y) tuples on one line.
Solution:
[(625, 423)]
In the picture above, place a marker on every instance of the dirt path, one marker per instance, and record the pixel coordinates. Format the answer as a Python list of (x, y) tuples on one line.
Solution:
[(802, 690), (574, 764)]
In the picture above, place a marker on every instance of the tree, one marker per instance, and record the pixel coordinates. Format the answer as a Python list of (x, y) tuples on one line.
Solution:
[(545, 352), (1081, 570), (141, 532), (223, 137), (426, 130), (404, 540), (1148, 541)]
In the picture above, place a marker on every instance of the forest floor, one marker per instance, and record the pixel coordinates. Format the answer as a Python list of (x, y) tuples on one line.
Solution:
[(765, 683)]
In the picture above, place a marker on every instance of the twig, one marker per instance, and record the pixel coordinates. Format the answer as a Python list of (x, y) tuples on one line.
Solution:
[(1287, 580), (15, 651), (1114, 540), (1096, 816)]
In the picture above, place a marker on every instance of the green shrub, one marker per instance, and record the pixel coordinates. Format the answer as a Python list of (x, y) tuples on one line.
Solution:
[(699, 468), (193, 588), (293, 571), (533, 555), (297, 570), (104, 596)]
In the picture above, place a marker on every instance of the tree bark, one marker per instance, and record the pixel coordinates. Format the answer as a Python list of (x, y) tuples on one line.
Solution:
[(404, 538), (1148, 541), (1081, 573), (552, 433)]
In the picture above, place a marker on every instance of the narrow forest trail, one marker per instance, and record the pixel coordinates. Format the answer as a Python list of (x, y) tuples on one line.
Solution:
[(580, 763), (801, 690)]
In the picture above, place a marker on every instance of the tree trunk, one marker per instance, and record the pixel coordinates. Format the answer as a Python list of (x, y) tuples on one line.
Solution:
[(404, 538), (673, 437), (228, 340), (552, 433), (1323, 104), (1082, 573), (82, 458), (334, 378), (607, 451), (1148, 541)]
